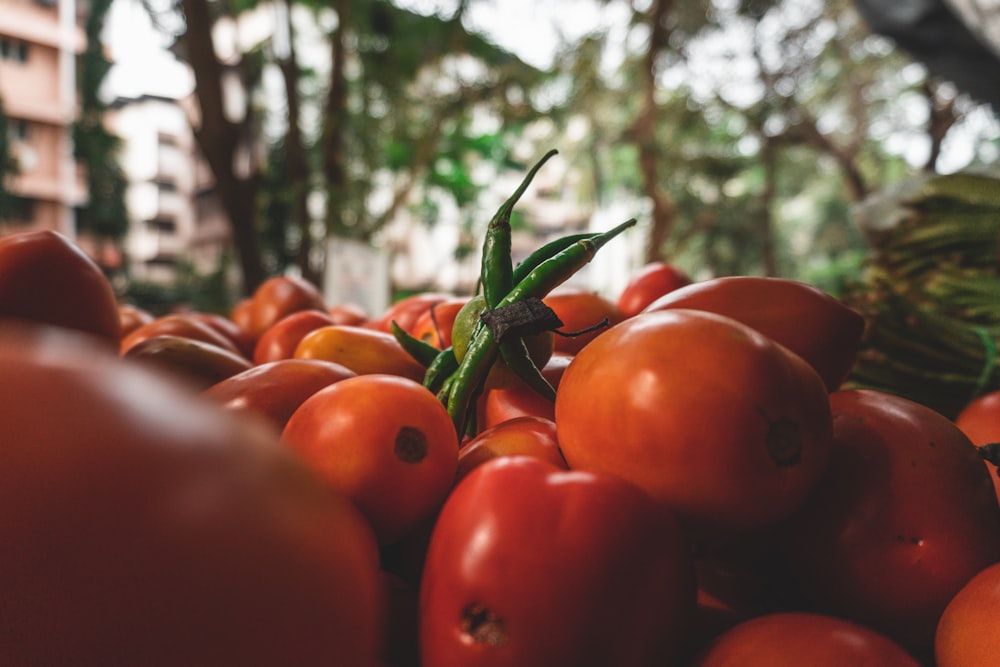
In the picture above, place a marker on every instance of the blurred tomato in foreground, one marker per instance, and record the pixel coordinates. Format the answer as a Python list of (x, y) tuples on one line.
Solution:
[(46, 278), (143, 526)]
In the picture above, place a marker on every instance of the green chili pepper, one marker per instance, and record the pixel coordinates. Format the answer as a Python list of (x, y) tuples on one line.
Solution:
[(497, 271), (515, 354), (483, 349), (547, 251), (439, 370), (424, 353)]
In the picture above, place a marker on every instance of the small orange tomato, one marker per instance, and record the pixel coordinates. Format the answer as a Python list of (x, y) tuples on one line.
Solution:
[(362, 350), (966, 632), (579, 310), (533, 436), (281, 338), (649, 283), (386, 442)]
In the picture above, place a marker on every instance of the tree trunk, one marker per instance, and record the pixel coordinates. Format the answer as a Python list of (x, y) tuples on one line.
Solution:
[(219, 141)]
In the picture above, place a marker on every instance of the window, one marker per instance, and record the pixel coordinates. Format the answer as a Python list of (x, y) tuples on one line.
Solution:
[(165, 184), (17, 129), (21, 210), (162, 224), (13, 49)]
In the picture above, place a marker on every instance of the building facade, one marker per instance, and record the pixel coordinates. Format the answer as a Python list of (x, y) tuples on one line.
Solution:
[(39, 41)]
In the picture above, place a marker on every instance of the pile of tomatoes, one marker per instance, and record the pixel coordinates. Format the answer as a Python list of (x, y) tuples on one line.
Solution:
[(279, 486)]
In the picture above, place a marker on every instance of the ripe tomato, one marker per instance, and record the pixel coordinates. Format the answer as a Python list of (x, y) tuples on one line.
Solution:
[(532, 436), (384, 441), (279, 296), (405, 311), (144, 526), (794, 639), (980, 421), (242, 340), (179, 324), (903, 518), (648, 284), (713, 419), (274, 390), (966, 633), (46, 278), (193, 361), (507, 396), (362, 350), (348, 313), (532, 565), (132, 317), (811, 323), (281, 338), (580, 309), (434, 325)]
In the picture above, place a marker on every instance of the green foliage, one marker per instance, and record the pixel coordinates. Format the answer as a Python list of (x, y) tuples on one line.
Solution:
[(204, 292)]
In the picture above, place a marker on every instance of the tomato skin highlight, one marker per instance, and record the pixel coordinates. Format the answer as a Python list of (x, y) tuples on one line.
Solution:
[(531, 565), (795, 639), (143, 526), (904, 517), (710, 417)]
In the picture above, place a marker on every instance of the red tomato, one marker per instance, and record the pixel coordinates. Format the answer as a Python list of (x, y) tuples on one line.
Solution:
[(348, 313), (506, 396), (580, 309), (279, 296), (806, 320), (179, 324), (242, 340), (281, 338), (384, 441), (532, 436), (649, 283), (405, 311), (713, 419), (143, 526), (434, 325), (797, 639), (274, 390), (966, 633), (532, 565), (980, 421), (193, 361), (46, 278), (904, 517)]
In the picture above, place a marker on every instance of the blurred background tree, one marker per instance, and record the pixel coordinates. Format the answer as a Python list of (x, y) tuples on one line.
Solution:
[(744, 130)]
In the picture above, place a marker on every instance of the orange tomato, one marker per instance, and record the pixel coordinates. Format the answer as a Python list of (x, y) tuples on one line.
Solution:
[(980, 421), (360, 349), (281, 338), (384, 441), (966, 633), (580, 309), (405, 311), (434, 325), (533, 436)]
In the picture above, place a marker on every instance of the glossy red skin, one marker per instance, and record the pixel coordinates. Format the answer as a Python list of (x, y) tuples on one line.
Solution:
[(281, 338), (225, 326), (819, 328), (274, 390), (904, 517), (692, 407), (195, 362), (791, 639), (405, 311), (580, 309), (648, 284), (533, 436), (579, 568), (143, 526), (48, 279), (512, 397), (966, 634), (279, 296), (179, 324)]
